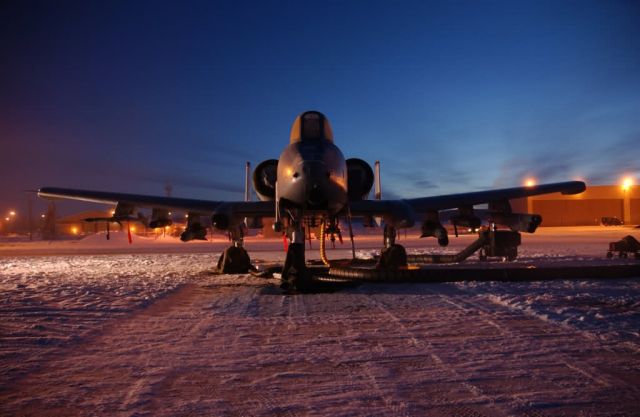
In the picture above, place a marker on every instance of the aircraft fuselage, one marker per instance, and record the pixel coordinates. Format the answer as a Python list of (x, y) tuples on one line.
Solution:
[(311, 171), (312, 175)]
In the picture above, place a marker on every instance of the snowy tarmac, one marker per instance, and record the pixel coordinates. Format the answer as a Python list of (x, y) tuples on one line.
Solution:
[(155, 333)]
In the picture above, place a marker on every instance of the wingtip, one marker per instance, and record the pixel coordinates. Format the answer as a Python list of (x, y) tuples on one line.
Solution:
[(577, 187)]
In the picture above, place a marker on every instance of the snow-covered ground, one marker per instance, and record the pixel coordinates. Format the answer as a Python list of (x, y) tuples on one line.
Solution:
[(154, 332)]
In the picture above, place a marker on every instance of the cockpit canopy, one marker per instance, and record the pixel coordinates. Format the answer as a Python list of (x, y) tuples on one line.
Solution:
[(311, 125)]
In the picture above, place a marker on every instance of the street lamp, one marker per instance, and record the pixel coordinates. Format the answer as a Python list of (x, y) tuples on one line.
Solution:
[(627, 182), (9, 220)]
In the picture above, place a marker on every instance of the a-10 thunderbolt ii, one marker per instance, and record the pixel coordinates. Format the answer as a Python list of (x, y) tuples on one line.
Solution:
[(312, 181)]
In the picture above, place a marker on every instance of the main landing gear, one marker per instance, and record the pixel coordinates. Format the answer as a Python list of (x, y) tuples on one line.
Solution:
[(393, 256), (235, 259)]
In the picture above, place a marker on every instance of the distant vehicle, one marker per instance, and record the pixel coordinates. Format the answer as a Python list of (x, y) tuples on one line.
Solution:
[(611, 221), (313, 181)]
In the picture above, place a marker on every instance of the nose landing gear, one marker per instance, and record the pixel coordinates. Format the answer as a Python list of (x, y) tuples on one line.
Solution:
[(295, 276)]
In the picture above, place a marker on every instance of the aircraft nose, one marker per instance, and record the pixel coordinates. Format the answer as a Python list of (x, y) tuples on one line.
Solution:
[(315, 173), (316, 195)]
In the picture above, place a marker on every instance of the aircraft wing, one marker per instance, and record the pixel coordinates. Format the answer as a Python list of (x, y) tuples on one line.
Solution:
[(425, 205), (390, 209), (204, 207)]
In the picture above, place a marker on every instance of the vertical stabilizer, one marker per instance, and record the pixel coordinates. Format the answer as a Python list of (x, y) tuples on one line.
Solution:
[(378, 195), (247, 174)]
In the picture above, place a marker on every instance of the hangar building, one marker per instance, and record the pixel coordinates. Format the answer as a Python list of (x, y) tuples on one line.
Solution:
[(587, 208)]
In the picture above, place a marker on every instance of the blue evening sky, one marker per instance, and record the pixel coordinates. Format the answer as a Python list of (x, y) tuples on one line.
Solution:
[(450, 96)]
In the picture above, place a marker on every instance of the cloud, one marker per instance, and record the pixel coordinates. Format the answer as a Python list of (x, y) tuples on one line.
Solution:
[(600, 163), (424, 184)]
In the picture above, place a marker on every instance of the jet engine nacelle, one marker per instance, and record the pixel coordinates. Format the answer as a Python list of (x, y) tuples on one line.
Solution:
[(359, 179), (264, 179), (518, 222)]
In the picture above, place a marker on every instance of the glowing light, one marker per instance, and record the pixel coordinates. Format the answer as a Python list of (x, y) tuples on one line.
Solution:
[(74, 230), (186, 215), (43, 216), (7, 218), (529, 182), (167, 227), (113, 212), (133, 229), (12, 213), (627, 182)]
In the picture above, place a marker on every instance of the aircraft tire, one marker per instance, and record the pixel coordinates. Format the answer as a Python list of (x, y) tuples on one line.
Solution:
[(234, 260), (393, 258)]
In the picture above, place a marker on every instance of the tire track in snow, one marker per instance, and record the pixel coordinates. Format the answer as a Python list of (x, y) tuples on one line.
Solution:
[(354, 369), (226, 349), (488, 317), (564, 346), (116, 368), (427, 349)]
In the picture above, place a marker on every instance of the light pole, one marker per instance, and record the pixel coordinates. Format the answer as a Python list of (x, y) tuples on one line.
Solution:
[(529, 183), (12, 221), (626, 200)]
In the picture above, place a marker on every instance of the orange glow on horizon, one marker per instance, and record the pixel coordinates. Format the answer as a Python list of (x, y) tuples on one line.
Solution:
[(74, 230), (530, 182), (627, 182)]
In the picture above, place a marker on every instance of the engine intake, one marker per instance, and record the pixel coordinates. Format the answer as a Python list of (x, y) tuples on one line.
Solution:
[(359, 179), (264, 179)]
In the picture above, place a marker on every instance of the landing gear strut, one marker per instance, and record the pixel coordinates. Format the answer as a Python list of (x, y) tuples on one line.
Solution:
[(393, 256), (235, 259), (295, 275)]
